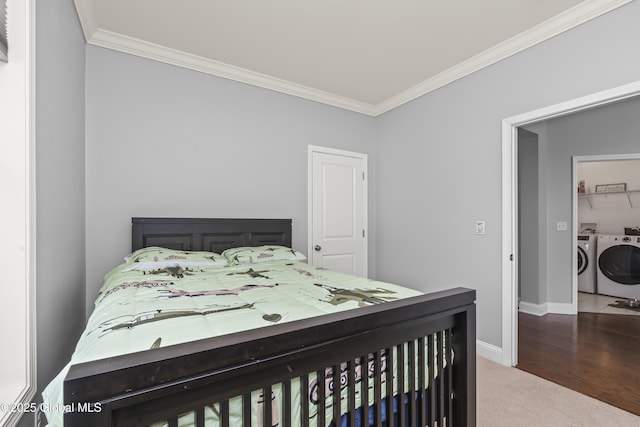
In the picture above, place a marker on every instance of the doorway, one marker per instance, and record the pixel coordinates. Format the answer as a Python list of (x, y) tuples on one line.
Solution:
[(510, 266), (576, 350), (609, 192)]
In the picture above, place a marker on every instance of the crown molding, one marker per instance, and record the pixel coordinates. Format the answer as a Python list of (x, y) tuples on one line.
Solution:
[(119, 42), (567, 20), (87, 17), (560, 23)]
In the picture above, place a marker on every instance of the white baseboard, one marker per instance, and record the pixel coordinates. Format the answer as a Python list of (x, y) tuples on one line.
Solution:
[(535, 309), (561, 308), (546, 308), (489, 351)]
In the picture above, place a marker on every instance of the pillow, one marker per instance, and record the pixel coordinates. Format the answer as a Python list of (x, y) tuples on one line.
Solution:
[(157, 257), (258, 254)]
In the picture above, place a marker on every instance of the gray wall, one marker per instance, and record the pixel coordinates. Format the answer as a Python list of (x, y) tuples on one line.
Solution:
[(166, 141), (60, 200), (440, 159), (613, 129), (528, 217), (538, 264)]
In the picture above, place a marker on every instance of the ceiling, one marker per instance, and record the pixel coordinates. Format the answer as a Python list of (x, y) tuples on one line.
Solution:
[(368, 56)]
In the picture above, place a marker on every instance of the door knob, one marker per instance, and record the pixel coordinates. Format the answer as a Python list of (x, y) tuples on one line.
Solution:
[(317, 247)]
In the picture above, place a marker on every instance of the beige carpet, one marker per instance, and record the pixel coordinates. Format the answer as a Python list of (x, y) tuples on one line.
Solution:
[(510, 397)]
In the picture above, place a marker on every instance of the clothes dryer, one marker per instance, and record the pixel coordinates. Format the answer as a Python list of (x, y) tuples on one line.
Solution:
[(587, 262), (618, 266)]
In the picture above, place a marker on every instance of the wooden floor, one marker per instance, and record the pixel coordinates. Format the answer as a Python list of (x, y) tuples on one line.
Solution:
[(592, 353)]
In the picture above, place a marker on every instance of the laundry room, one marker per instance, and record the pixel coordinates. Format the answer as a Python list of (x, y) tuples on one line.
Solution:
[(608, 234), (599, 147)]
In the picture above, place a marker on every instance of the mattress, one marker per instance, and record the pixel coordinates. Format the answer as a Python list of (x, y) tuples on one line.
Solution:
[(145, 305)]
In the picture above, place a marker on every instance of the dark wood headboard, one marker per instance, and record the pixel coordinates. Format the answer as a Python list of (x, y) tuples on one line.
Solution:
[(209, 234)]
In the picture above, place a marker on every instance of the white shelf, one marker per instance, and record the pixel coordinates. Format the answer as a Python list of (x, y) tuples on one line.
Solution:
[(588, 196)]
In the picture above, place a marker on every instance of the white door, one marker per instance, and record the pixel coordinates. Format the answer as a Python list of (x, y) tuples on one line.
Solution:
[(338, 210)]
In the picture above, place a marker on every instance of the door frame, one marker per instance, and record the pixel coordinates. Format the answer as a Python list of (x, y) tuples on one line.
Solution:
[(510, 200), (18, 104), (365, 204)]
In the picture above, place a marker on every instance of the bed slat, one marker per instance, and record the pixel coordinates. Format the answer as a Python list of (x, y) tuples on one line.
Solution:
[(267, 407), (449, 375), (351, 393), (422, 404), (377, 388), (401, 378), (441, 383), (322, 395), (286, 387), (246, 409), (224, 413), (411, 354), (200, 417), (389, 385), (431, 407), (336, 392), (364, 387)]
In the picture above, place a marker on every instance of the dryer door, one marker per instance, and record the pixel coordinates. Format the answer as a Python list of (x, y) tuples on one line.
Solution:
[(583, 260), (621, 264)]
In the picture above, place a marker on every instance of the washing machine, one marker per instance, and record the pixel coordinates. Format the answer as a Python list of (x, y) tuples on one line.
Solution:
[(618, 266), (586, 262)]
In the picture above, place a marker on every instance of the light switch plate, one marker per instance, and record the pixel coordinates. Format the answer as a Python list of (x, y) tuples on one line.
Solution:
[(561, 225), (479, 227)]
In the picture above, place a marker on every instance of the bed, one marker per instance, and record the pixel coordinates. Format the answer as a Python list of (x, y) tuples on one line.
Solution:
[(359, 353)]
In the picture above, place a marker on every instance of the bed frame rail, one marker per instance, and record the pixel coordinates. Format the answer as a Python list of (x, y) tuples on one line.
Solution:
[(399, 339)]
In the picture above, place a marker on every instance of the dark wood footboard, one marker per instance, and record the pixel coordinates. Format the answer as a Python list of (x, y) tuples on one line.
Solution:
[(426, 342)]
